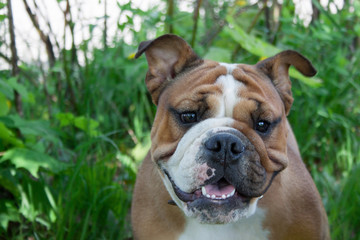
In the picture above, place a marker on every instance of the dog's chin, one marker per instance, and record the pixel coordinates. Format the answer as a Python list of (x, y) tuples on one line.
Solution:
[(220, 211), (217, 203)]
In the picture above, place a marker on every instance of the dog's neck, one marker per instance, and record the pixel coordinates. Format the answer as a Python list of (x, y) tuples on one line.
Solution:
[(248, 228)]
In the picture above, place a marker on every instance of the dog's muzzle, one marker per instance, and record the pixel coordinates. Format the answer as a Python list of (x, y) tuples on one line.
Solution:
[(235, 161), (234, 177), (234, 169)]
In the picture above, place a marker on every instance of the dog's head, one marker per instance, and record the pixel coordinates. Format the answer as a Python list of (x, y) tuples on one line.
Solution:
[(220, 132)]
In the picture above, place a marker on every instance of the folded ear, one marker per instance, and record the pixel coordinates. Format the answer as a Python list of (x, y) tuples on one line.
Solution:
[(167, 56), (277, 68)]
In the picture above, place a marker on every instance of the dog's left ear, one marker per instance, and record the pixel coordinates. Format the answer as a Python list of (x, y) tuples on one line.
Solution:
[(277, 68), (167, 56)]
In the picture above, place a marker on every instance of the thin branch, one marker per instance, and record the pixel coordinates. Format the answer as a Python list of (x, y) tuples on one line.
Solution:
[(217, 24), (255, 19), (68, 71), (14, 58), (46, 19), (6, 58), (195, 18), (45, 38), (267, 20), (277, 23), (170, 15), (70, 23)]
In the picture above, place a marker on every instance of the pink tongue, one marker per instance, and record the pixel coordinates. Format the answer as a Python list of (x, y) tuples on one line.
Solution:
[(214, 189)]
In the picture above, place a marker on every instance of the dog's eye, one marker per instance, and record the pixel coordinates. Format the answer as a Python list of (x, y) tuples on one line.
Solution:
[(188, 117), (262, 126)]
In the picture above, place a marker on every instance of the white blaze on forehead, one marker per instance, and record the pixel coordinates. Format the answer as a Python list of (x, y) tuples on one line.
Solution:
[(229, 66), (230, 91)]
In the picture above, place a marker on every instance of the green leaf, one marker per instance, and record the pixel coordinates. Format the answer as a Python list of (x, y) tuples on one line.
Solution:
[(88, 125), (263, 49), (8, 137), (141, 149), (4, 108), (6, 89), (8, 182), (18, 87), (312, 82), (65, 119), (218, 54), (8, 213), (2, 17), (31, 127), (33, 161), (250, 43), (126, 161)]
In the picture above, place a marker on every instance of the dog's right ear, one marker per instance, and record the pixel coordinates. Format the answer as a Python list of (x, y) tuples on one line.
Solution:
[(167, 56)]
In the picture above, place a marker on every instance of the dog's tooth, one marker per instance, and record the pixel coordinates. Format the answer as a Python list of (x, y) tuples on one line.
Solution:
[(203, 191), (232, 193), (213, 196), (223, 196), (207, 195)]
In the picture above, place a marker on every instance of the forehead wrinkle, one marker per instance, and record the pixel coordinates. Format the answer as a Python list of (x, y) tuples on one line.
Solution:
[(256, 82), (249, 79), (196, 95), (191, 83)]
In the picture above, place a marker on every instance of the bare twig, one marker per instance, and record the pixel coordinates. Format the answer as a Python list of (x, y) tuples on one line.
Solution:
[(68, 66), (45, 38), (68, 69), (195, 18), (14, 58), (6, 58), (267, 20), (170, 14), (46, 19), (277, 23), (71, 25), (256, 18), (217, 23)]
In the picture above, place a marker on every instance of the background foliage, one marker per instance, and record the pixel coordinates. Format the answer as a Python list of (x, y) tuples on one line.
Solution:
[(74, 129)]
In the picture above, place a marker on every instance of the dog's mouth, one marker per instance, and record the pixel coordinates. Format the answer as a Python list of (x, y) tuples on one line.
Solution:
[(220, 192)]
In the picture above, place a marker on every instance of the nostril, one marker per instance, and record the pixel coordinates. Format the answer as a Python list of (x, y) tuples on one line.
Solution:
[(224, 148), (236, 148), (213, 145)]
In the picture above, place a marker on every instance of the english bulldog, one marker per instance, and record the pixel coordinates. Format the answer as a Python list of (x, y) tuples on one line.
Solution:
[(224, 162)]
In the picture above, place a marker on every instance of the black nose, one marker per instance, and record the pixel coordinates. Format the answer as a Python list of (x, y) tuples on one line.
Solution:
[(224, 147)]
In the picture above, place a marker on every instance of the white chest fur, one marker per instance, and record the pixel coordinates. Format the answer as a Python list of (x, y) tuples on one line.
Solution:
[(245, 229)]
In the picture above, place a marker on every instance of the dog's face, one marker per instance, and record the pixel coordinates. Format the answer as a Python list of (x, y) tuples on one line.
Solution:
[(220, 131)]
